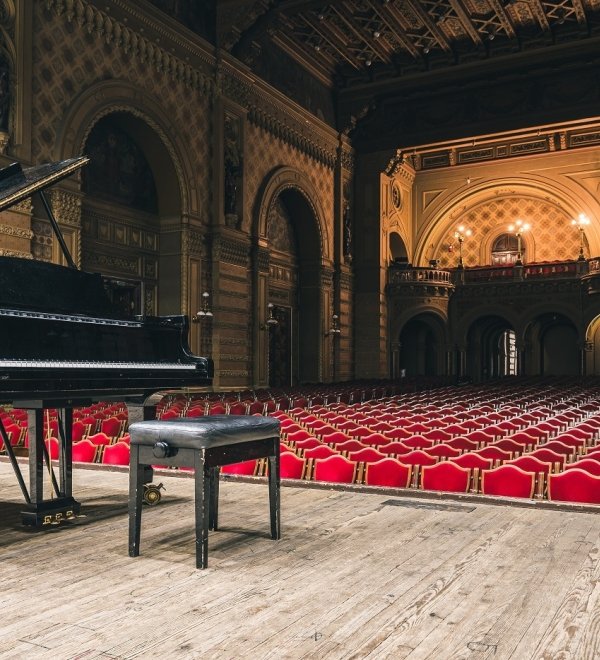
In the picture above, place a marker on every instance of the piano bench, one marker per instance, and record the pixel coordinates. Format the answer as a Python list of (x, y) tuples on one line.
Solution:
[(204, 443)]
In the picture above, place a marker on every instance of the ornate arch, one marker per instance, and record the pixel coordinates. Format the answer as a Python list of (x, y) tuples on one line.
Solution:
[(112, 96), (286, 178), (440, 225)]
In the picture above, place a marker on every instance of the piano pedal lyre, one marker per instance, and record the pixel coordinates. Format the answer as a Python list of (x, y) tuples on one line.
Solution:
[(152, 494)]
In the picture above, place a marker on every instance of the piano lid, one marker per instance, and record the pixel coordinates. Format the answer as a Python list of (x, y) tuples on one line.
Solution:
[(17, 183)]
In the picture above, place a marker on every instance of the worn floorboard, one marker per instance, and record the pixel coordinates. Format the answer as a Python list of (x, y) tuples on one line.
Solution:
[(353, 577)]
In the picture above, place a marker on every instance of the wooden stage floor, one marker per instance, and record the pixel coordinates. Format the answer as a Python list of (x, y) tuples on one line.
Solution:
[(355, 575)]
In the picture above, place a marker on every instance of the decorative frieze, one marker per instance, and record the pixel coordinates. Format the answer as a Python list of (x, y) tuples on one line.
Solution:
[(231, 251), (15, 253), (113, 32), (17, 232), (66, 208), (111, 263)]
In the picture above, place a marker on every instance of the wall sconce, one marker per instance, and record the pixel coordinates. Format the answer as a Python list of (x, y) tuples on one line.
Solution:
[(335, 327), (204, 311), (271, 321), (581, 223)]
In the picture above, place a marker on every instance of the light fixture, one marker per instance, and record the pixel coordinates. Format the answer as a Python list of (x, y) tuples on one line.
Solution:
[(335, 327), (517, 229), (271, 321), (581, 223), (204, 311), (460, 234)]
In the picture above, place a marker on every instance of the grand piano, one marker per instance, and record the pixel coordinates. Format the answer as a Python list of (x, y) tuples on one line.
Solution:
[(64, 345)]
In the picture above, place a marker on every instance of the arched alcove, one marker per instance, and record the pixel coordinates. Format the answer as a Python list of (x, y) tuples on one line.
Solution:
[(289, 228), (398, 251), (131, 199), (422, 346), (553, 346), (491, 350)]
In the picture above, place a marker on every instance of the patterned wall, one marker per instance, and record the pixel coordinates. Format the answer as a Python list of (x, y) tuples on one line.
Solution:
[(551, 236), (264, 152), (68, 59)]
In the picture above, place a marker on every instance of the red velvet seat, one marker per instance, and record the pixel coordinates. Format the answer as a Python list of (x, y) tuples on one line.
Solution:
[(388, 472), (100, 439), (508, 481), (247, 468), (446, 476), (462, 443), (322, 451), (369, 455), (472, 461), (495, 453), (589, 465), (443, 451), (574, 485), (418, 457), (396, 448), (335, 469), (117, 454), (291, 466), (84, 451), (418, 442)]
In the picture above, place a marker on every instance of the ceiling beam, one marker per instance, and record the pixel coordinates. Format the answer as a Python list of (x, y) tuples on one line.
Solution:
[(437, 34), (463, 16)]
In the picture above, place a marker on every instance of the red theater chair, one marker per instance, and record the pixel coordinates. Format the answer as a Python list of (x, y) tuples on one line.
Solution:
[(574, 485), (388, 472), (586, 464), (247, 468), (508, 481), (85, 451), (335, 469), (443, 451), (117, 454), (446, 476), (291, 466)]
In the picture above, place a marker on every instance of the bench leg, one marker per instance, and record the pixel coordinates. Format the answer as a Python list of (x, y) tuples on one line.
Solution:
[(214, 499), (274, 493), (203, 506), (136, 492)]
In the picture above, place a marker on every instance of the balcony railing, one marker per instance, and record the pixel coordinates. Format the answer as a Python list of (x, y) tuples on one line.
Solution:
[(550, 270), (418, 274)]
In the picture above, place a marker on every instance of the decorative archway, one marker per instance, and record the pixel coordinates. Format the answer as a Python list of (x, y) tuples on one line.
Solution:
[(166, 252), (489, 207), (421, 346), (295, 276)]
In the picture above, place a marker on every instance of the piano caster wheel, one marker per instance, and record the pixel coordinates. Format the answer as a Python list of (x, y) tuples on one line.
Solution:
[(152, 494)]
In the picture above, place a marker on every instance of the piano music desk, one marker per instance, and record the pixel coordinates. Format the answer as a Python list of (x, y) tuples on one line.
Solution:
[(204, 443)]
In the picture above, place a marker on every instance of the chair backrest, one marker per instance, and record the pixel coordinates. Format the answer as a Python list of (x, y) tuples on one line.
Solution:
[(336, 469), (322, 451), (532, 464), (443, 451), (418, 457), (370, 455), (117, 454), (446, 476), (471, 460), (84, 451), (291, 466), (388, 472), (587, 464), (508, 481), (574, 485), (100, 439)]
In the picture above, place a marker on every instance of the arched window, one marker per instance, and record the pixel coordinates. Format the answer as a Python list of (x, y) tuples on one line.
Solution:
[(505, 250)]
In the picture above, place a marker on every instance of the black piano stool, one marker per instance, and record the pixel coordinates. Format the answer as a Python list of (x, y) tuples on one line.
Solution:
[(204, 443)]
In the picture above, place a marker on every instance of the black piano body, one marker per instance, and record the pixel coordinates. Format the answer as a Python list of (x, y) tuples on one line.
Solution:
[(63, 345)]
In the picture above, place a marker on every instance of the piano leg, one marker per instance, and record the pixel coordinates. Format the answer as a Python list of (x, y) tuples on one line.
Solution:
[(40, 511)]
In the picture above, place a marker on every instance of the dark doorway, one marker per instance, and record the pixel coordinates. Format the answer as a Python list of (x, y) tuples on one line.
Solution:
[(280, 348)]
